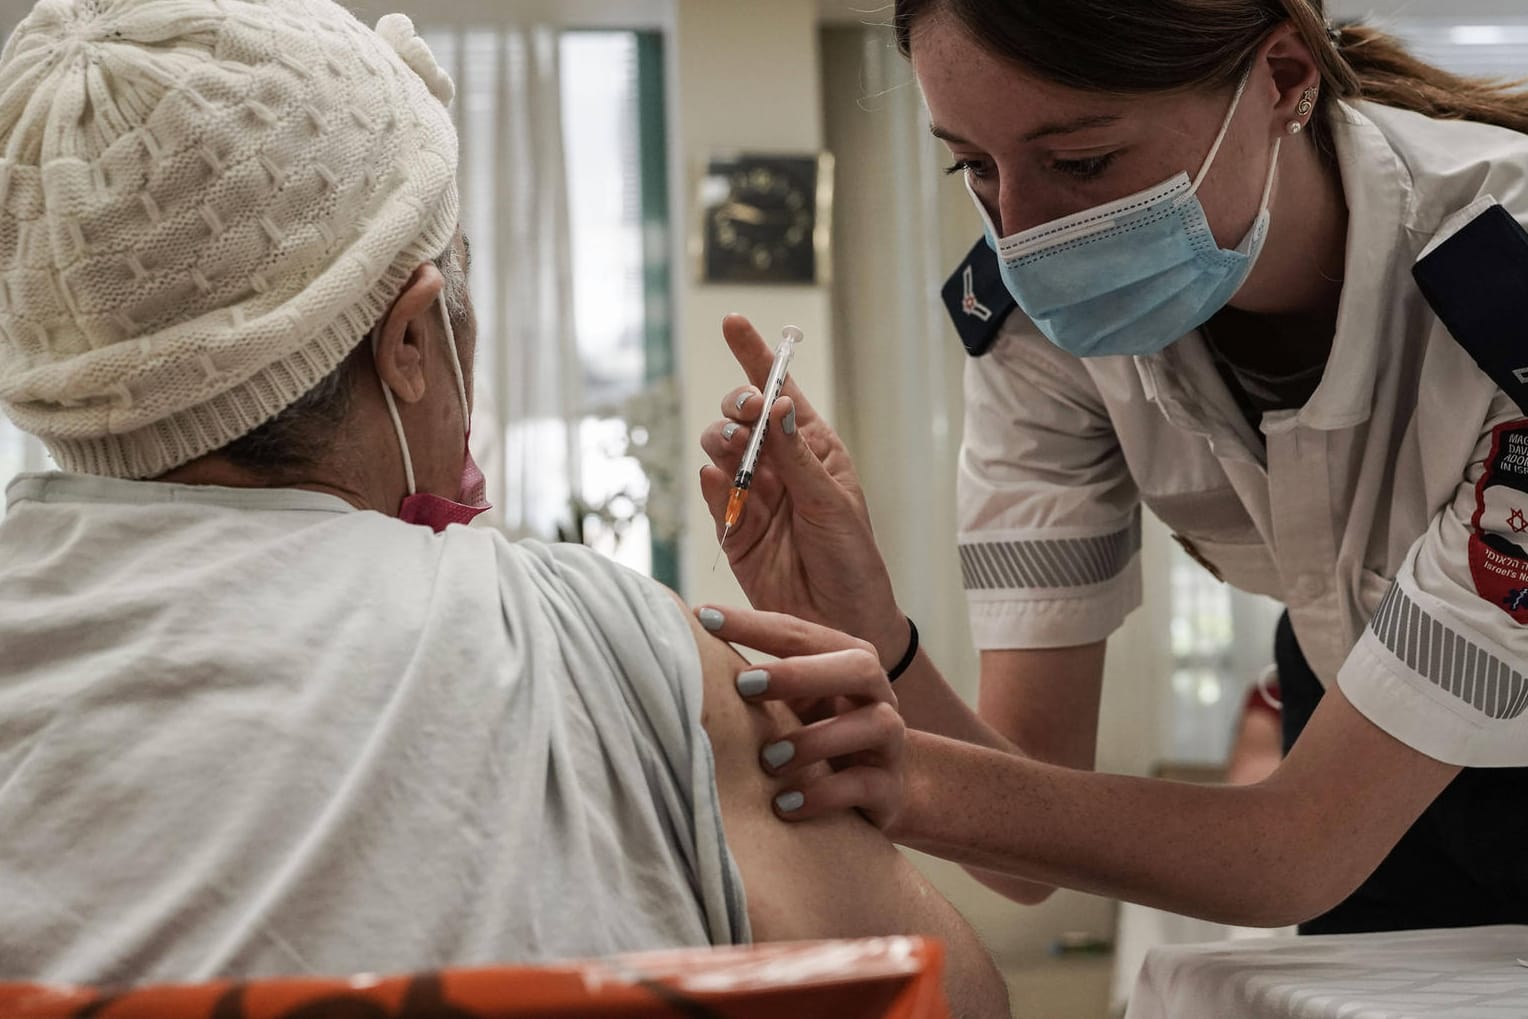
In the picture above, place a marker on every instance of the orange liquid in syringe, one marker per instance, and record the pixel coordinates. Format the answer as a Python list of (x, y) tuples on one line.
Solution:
[(735, 507)]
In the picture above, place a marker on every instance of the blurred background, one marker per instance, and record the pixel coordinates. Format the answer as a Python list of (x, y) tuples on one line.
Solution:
[(606, 147)]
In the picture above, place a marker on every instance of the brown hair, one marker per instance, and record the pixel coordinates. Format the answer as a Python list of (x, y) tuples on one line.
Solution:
[(303, 434), (1133, 46)]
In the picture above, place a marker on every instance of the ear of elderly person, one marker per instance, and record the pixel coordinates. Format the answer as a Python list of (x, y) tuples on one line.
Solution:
[(263, 709)]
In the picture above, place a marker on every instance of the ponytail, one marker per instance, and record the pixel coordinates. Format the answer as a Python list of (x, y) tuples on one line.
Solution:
[(1387, 74)]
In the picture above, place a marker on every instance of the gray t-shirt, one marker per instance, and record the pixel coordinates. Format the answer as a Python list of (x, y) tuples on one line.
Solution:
[(246, 733)]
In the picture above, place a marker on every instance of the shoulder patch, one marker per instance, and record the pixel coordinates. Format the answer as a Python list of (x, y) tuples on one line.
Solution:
[(978, 300), (1499, 544), (1477, 283)]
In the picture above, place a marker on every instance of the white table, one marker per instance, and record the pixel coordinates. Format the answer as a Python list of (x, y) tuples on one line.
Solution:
[(1139, 929), (1470, 973)]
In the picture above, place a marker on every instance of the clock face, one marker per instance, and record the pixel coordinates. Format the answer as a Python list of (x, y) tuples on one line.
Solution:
[(761, 219)]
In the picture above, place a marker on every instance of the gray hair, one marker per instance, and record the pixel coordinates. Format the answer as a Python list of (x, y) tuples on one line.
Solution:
[(303, 434)]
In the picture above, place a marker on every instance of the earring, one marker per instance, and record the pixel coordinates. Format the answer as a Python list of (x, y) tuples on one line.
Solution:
[(1295, 127), (1308, 101)]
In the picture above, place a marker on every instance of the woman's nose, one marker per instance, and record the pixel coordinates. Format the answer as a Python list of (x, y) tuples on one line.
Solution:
[(1022, 207)]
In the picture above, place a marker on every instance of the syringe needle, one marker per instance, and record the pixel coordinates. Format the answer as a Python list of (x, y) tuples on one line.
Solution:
[(720, 548)]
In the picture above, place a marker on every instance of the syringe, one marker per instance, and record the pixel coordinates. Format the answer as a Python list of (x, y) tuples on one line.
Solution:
[(789, 337)]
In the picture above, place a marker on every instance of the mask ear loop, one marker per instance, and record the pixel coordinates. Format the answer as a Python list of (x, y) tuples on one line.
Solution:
[(1225, 128), (1273, 169), (392, 410), (392, 404), (456, 361)]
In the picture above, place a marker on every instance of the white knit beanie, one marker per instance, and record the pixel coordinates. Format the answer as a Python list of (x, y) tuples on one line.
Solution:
[(204, 206)]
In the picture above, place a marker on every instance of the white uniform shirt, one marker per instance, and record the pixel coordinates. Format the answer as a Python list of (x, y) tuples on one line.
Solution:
[(246, 733), (1361, 516)]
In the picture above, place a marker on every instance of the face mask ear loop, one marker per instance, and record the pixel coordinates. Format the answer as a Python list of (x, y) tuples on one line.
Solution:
[(392, 410), (1273, 170), (1225, 127), (456, 362)]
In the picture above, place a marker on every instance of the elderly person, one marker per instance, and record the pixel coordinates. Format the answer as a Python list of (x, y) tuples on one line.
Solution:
[(261, 709)]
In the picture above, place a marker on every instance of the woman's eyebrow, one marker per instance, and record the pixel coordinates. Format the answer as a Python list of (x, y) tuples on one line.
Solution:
[(1044, 131)]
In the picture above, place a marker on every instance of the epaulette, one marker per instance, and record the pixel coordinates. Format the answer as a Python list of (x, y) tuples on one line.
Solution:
[(1477, 283), (978, 300)]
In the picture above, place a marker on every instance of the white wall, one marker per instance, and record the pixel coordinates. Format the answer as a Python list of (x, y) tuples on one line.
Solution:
[(744, 76)]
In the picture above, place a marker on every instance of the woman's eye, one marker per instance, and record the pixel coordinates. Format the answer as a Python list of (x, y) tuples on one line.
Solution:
[(974, 167), (1084, 169)]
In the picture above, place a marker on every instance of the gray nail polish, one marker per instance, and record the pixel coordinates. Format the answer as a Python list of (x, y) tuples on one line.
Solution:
[(788, 424), (753, 682), (788, 802), (778, 754), (730, 431), (711, 619), (742, 400)]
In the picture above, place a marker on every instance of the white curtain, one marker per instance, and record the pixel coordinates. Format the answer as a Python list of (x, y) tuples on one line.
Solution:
[(528, 398)]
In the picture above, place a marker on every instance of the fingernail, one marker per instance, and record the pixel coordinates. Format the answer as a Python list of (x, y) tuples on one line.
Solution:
[(777, 754), (753, 682), (788, 424), (730, 431), (711, 619), (742, 400), (785, 803)]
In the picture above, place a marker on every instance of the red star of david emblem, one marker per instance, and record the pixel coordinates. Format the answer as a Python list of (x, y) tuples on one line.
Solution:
[(1517, 521)]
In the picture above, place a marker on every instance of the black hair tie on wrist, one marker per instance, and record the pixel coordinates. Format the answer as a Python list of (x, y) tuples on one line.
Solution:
[(896, 670)]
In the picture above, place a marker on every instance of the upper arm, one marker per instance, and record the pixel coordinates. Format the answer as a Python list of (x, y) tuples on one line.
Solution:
[(1046, 701), (830, 877)]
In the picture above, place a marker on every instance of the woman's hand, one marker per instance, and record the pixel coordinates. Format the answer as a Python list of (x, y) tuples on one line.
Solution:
[(836, 686), (804, 545)]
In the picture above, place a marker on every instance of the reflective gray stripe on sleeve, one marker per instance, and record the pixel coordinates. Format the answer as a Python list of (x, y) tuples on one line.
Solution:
[(1447, 660), (1054, 563)]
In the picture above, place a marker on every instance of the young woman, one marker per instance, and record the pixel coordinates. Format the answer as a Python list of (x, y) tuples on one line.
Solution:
[(1208, 214)]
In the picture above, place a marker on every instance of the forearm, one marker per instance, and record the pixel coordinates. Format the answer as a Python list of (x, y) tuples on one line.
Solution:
[(1233, 855)]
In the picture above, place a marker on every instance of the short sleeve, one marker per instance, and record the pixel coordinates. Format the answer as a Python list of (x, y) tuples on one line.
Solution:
[(1442, 665), (1049, 517)]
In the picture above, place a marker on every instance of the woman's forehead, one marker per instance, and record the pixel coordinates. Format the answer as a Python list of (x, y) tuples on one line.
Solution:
[(976, 97)]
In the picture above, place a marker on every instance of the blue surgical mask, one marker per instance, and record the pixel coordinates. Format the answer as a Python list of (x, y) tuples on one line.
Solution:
[(1133, 276)]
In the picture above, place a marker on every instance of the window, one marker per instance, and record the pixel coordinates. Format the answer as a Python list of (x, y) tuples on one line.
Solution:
[(615, 150), (565, 202), (1221, 641)]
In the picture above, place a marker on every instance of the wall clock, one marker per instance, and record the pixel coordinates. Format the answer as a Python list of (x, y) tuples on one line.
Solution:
[(765, 218)]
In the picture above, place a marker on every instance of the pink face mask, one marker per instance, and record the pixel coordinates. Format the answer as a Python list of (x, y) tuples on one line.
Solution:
[(436, 511)]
